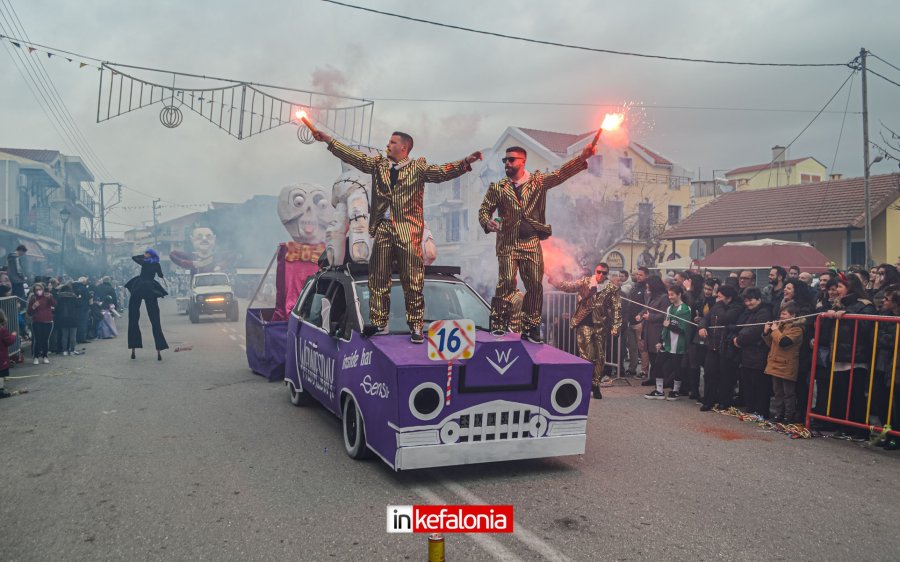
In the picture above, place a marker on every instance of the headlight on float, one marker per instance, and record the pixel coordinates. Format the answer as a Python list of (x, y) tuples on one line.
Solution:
[(426, 401), (566, 396)]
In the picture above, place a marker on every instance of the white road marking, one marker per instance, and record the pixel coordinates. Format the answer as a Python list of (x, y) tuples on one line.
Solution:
[(521, 533), (233, 337), (242, 346), (490, 545), (224, 330)]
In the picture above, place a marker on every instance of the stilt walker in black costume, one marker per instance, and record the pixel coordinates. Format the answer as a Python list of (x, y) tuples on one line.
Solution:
[(145, 288)]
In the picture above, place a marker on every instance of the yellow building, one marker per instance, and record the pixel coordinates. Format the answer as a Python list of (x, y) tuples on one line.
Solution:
[(777, 172), (614, 211)]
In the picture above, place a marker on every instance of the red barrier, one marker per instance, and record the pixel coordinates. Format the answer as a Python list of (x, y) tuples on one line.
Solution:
[(892, 322)]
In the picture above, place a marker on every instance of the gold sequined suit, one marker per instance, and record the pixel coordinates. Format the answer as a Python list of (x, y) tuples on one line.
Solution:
[(602, 308), (523, 255), (398, 238)]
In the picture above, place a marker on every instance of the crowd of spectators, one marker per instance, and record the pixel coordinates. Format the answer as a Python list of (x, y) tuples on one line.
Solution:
[(754, 344)]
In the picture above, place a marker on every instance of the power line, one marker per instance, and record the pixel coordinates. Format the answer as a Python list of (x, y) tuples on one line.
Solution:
[(869, 70), (841, 133), (612, 105), (67, 121), (871, 54), (578, 47), (808, 125)]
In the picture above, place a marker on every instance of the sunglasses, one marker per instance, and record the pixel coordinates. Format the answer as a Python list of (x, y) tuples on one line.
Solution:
[(746, 279), (510, 159), (601, 272)]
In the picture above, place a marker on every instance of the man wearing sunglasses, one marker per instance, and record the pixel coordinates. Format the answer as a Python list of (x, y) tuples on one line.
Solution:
[(597, 315), (397, 222), (521, 201)]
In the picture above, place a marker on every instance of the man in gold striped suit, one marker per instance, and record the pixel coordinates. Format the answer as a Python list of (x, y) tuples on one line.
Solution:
[(521, 201), (396, 222), (597, 315)]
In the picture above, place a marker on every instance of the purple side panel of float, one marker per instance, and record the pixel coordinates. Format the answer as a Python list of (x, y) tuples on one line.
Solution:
[(371, 378), (266, 343)]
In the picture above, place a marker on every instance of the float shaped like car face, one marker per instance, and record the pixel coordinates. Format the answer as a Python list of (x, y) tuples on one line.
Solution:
[(511, 400)]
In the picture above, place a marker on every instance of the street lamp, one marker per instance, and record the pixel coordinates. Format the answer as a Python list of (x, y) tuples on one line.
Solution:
[(64, 217), (868, 225)]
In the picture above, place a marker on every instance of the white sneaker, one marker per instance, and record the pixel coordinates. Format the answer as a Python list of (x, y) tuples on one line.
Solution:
[(65, 353), (37, 361), (46, 361)]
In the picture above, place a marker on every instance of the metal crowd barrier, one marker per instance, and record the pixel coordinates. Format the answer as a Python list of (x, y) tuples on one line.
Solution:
[(10, 307), (558, 310), (840, 413)]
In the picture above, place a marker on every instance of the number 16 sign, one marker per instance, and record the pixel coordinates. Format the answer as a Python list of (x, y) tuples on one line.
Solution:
[(449, 340)]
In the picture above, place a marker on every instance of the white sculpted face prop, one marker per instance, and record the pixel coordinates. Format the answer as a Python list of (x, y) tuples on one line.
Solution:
[(305, 212), (203, 242)]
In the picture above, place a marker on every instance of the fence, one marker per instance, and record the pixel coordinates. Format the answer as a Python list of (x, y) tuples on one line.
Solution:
[(871, 377), (10, 308), (558, 310)]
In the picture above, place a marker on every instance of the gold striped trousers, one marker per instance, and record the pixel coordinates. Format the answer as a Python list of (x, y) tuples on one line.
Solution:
[(387, 248)]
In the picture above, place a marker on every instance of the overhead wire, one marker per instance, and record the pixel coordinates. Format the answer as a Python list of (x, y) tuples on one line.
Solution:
[(883, 77), (808, 125), (570, 46), (871, 54), (9, 14)]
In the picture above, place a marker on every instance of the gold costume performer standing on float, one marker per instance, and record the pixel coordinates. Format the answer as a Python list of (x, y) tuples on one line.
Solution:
[(397, 221), (521, 201), (597, 315)]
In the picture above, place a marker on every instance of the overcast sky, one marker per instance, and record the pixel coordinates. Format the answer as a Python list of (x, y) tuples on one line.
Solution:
[(309, 44)]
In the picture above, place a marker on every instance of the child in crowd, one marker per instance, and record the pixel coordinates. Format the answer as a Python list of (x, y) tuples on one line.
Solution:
[(784, 338), (7, 338), (676, 333)]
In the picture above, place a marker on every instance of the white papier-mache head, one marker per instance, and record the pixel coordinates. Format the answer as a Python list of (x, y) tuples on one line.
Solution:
[(305, 211)]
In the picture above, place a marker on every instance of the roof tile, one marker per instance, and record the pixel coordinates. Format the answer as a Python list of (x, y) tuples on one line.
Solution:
[(828, 205)]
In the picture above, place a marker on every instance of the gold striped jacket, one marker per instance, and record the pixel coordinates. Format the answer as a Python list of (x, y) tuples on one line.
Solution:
[(603, 305), (501, 197), (406, 200)]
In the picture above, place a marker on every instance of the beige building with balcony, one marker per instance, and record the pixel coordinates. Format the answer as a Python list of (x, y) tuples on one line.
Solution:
[(614, 211)]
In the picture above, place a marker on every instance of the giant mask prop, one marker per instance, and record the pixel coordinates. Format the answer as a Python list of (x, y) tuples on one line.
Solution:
[(305, 211)]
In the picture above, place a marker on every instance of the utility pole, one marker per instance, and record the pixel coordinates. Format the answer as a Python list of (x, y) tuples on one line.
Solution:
[(103, 219), (865, 117), (155, 221)]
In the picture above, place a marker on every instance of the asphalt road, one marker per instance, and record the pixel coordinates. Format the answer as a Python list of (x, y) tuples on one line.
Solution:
[(195, 458)]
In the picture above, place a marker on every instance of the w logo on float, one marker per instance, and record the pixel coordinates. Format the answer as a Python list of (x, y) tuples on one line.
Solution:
[(503, 359)]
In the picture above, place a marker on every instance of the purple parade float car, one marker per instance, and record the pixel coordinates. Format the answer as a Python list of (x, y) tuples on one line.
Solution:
[(511, 400)]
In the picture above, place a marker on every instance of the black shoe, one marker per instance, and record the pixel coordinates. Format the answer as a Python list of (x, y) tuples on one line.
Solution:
[(417, 337), (705, 408), (673, 395), (4, 394), (648, 382), (533, 335), (778, 419), (655, 395), (132, 354), (370, 330), (694, 396), (891, 445), (498, 332), (596, 392)]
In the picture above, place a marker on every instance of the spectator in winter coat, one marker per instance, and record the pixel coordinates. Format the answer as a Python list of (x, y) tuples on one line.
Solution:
[(631, 315), (784, 338), (754, 386), (720, 366), (851, 350), (16, 272), (885, 369), (83, 293), (7, 338), (65, 319), (676, 333), (657, 300), (40, 308)]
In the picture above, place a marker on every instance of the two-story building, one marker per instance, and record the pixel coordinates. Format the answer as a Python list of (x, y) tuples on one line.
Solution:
[(779, 171), (46, 207), (614, 211)]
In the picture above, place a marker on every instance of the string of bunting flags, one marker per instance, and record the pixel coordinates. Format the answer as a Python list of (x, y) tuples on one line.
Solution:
[(32, 48)]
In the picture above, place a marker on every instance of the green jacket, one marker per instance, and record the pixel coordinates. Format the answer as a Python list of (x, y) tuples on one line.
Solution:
[(679, 322)]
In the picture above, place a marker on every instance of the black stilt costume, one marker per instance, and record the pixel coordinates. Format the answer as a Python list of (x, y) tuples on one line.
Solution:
[(145, 288)]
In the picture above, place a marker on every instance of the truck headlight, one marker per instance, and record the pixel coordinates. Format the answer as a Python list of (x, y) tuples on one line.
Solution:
[(426, 401)]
